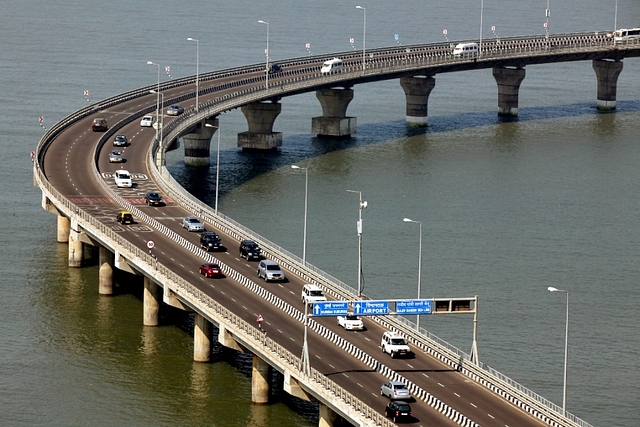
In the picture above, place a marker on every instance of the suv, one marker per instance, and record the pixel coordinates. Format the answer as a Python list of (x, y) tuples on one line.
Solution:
[(395, 344), (250, 250), (99, 125), (312, 293), (210, 241), (270, 270), (122, 178), (398, 409)]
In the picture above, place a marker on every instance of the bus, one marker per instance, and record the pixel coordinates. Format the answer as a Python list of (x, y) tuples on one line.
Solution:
[(625, 35)]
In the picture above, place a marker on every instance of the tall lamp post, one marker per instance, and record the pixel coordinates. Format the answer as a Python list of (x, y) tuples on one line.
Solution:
[(159, 160), (419, 265), (197, 68), (566, 350), (481, 12), (362, 205), (306, 193), (157, 94), (217, 164), (615, 18), (364, 36), (266, 52)]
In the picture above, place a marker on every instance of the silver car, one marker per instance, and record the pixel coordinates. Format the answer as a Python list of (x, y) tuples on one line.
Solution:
[(191, 223), (270, 270), (115, 156), (120, 141), (395, 390), (175, 110)]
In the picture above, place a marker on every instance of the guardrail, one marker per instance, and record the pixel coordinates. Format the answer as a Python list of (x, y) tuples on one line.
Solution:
[(414, 57)]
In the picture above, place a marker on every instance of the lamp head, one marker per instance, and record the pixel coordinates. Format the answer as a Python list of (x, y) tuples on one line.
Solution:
[(363, 205)]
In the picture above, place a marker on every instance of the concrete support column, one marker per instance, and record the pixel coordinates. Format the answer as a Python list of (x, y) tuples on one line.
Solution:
[(607, 73), (64, 226), (197, 144), (151, 303), (260, 374), (76, 249), (201, 339), (327, 417), (416, 91), (260, 119), (105, 276), (334, 120), (508, 80)]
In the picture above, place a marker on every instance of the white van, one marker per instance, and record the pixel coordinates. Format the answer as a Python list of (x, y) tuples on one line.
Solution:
[(331, 66), (466, 50)]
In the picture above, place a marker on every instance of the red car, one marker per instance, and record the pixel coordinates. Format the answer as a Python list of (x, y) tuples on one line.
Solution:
[(211, 270)]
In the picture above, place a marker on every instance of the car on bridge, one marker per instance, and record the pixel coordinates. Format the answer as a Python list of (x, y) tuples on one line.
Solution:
[(99, 125), (312, 293), (250, 250), (398, 410), (210, 241), (211, 270), (146, 121), (175, 110), (351, 322), (395, 390), (270, 271), (153, 198), (191, 223), (120, 141), (116, 157), (122, 178), (124, 217), (274, 68), (395, 345)]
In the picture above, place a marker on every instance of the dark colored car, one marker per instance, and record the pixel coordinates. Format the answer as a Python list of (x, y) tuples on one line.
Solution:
[(398, 410), (125, 217), (250, 250), (210, 241), (211, 270), (99, 125), (153, 198), (120, 141), (274, 68)]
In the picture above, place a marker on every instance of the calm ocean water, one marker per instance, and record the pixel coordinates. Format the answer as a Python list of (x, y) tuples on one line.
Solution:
[(508, 207)]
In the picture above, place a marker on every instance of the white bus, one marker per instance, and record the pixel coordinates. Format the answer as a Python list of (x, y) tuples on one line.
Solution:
[(624, 34)]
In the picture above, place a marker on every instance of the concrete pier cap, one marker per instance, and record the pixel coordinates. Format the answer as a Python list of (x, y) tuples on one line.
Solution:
[(198, 142), (260, 119), (417, 90), (334, 120)]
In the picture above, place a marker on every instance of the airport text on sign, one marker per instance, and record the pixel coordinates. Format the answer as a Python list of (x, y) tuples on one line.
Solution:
[(371, 308)]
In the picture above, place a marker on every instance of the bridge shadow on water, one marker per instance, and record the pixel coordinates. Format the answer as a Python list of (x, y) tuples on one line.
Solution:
[(238, 166)]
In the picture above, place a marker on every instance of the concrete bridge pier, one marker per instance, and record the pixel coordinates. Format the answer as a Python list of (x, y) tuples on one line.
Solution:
[(334, 120), (76, 249), (201, 339), (197, 143), (64, 226), (261, 371), (151, 303), (105, 276), (260, 118), (607, 73), (417, 90), (508, 80), (327, 417)]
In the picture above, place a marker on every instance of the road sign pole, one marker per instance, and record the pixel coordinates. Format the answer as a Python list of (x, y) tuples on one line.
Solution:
[(304, 359)]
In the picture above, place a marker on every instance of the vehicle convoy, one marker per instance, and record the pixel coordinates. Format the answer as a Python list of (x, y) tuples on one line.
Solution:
[(312, 293), (351, 322), (210, 241), (395, 345)]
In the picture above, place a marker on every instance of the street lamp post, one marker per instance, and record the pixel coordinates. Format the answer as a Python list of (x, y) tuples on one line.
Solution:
[(217, 164), (304, 359), (266, 52), (161, 126), (157, 94), (306, 193), (566, 350), (197, 68), (362, 205), (615, 18), (419, 264), (481, 12), (364, 36)]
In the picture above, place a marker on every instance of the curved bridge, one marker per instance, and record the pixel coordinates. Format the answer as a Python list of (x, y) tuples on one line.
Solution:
[(72, 169)]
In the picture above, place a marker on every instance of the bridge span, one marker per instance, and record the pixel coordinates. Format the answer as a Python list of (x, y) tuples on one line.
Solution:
[(72, 169)]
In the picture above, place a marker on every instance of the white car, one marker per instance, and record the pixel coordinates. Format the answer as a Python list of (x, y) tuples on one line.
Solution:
[(395, 390), (146, 121), (122, 178), (351, 322), (312, 293), (191, 223), (395, 345)]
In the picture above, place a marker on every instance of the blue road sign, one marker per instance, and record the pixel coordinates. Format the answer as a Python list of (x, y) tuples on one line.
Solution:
[(370, 308), (330, 308), (414, 306)]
